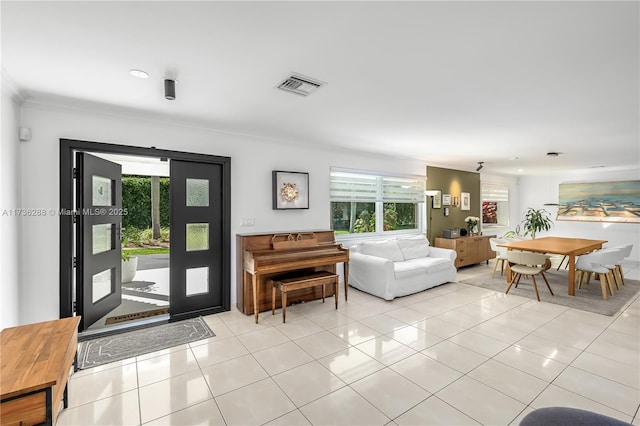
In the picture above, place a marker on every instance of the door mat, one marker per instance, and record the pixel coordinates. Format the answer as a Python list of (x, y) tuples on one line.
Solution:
[(588, 298), (137, 315), (103, 350)]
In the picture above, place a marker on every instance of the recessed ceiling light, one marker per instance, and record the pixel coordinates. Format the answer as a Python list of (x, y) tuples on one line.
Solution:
[(138, 73), (513, 158)]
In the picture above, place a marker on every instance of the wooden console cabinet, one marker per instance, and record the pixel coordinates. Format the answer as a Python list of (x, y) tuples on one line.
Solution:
[(470, 250), (36, 362)]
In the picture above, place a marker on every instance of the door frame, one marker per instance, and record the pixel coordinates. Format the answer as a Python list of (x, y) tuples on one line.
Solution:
[(67, 206)]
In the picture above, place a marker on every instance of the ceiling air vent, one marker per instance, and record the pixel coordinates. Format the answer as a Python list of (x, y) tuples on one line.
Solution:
[(300, 85)]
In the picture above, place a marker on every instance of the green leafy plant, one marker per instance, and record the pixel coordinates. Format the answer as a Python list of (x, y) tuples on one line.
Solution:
[(365, 223), (125, 255), (536, 220), (390, 217)]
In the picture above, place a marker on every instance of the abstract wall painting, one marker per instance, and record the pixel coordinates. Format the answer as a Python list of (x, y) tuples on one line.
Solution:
[(617, 201)]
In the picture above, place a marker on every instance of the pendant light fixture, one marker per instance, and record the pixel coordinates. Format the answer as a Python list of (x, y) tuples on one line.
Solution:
[(552, 155)]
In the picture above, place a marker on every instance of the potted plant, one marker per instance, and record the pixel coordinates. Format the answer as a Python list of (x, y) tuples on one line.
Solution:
[(129, 264), (536, 220)]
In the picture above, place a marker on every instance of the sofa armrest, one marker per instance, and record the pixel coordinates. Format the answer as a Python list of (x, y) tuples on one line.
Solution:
[(370, 266), (443, 253)]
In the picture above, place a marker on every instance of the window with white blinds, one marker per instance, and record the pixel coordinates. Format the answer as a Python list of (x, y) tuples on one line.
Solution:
[(495, 205), (495, 192), (354, 187), (365, 202)]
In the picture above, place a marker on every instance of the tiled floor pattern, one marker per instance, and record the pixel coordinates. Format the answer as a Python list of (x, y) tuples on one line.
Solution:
[(452, 355)]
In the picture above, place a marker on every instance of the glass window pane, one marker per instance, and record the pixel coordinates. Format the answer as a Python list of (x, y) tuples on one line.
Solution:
[(495, 213), (197, 236), (102, 238), (353, 217), (102, 285), (197, 193), (400, 216), (197, 281), (102, 191)]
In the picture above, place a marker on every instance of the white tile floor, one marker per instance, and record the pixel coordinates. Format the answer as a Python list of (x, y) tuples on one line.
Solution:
[(452, 355)]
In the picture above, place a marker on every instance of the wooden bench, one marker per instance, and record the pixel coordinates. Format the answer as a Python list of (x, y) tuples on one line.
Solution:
[(36, 363), (296, 282)]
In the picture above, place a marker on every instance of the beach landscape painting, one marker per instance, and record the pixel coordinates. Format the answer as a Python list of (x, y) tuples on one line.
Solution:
[(617, 201)]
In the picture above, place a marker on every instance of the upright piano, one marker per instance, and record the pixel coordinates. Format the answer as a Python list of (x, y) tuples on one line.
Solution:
[(260, 257)]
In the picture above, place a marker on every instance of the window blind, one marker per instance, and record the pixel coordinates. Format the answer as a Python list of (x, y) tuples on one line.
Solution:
[(401, 190), (365, 187), (354, 187), (495, 192)]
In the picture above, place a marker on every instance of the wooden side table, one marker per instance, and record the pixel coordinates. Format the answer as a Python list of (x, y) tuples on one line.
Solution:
[(36, 363), (291, 283)]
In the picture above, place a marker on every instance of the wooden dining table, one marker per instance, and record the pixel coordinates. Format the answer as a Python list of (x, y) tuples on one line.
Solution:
[(570, 247)]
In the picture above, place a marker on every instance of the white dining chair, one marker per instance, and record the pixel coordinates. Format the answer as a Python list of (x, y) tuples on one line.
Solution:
[(625, 251), (501, 254), (524, 263), (595, 263)]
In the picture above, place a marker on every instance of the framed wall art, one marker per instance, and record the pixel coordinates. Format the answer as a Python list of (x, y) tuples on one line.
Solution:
[(290, 190), (446, 199), (616, 201), (437, 200), (465, 201)]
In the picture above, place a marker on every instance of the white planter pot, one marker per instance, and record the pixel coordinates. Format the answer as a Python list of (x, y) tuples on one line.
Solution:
[(129, 268)]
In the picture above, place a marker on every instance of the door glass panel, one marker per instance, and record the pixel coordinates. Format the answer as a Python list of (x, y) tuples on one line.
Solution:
[(102, 191), (197, 281), (197, 192), (102, 285), (197, 236), (102, 238)]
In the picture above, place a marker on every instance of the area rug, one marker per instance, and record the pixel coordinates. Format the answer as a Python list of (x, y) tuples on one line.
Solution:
[(588, 298), (103, 350)]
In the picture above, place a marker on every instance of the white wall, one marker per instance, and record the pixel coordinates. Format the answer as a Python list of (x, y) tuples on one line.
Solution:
[(534, 192), (252, 161), (9, 200)]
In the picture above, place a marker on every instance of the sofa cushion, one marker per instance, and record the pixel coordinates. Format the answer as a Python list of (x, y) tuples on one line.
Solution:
[(387, 249), (414, 246), (429, 264), (420, 266), (406, 270)]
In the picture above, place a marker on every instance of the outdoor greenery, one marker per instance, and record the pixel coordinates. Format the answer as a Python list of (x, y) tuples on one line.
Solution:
[(395, 216), (137, 234), (134, 237), (136, 198), (142, 251)]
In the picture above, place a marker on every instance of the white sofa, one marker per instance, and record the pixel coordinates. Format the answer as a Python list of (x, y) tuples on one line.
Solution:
[(399, 266)]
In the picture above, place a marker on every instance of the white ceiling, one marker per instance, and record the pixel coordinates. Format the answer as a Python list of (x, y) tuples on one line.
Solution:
[(451, 83)]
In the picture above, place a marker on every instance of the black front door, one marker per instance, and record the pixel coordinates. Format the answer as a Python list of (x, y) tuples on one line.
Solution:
[(99, 216), (198, 249)]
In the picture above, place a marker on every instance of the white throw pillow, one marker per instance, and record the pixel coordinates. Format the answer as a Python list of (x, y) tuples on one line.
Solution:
[(387, 249), (414, 246)]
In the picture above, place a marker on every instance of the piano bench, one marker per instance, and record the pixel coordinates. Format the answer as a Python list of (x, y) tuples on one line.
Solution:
[(290, 283)]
